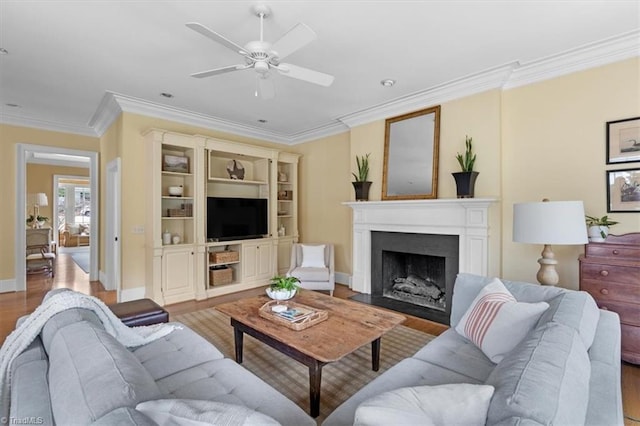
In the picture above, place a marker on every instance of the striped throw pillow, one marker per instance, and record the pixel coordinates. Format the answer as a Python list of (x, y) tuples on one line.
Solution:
[(496, 322)]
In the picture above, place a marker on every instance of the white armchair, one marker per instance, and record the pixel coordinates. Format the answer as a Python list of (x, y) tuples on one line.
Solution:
[(313, 265)]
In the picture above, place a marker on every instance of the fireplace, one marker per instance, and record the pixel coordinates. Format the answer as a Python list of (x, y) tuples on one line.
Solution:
[(445, 236), (414, 273)]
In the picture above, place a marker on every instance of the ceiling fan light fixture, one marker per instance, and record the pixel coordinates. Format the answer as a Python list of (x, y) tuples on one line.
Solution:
[(387, 82)]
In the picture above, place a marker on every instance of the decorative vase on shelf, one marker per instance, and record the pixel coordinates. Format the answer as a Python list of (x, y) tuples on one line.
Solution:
[(465, 183), (166, 237), (362, 190), (598, 234)]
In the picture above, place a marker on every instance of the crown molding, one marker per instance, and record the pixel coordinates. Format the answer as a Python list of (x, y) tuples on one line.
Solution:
[(492, 78), (324, 131), (14, 120), (614, 49)]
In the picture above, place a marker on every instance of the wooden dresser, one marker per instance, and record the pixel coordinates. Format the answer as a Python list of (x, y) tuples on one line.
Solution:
[(610, 272)]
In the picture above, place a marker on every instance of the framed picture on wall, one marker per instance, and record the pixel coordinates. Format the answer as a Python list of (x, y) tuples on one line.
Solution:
[(623, 141), (623, 191), (175, 163)]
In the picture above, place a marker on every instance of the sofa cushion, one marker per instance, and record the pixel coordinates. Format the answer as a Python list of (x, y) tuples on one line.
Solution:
[(575, 309), (496, 322), (454, 352), (65, 318), (545, 379), (91, 373), (311, 274), (223, 380), (124, 416), (450, 404), (194, 412), (179, 350), (408, 372), (30, 391)]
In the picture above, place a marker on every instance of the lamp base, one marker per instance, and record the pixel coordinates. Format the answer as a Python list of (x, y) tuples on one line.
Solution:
[(547, 275)]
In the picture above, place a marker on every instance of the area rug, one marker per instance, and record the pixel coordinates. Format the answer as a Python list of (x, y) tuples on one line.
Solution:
[(340, 379), (81, 258)]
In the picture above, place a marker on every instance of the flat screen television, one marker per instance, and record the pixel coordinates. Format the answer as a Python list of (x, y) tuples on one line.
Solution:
[(236, 218)]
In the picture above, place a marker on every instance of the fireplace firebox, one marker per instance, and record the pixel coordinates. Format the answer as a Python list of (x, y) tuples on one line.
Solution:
[(413, 273)]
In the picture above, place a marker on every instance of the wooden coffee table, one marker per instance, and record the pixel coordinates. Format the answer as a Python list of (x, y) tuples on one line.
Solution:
[(350, 325)]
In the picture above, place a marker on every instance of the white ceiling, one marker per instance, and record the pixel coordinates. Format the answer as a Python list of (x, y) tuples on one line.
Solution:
[(68, 61)]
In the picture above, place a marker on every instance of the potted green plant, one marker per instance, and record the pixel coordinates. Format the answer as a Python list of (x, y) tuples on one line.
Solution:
[(361, 184), (283, 287), (37, 221), (466, 179), (598, 227)]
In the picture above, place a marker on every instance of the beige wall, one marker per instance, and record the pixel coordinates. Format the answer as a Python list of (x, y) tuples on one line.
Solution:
[(9, 137), (554, 147), (40, 179), (323, 186)]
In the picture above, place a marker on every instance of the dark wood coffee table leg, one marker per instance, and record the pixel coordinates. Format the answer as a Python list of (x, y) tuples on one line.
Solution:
[(239, 339), (315, 380), (375, 354)]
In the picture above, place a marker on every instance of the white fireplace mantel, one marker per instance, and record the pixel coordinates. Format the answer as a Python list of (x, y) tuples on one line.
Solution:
[(465, 217)]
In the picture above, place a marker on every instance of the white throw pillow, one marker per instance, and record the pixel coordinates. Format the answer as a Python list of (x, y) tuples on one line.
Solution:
[(313, 256), (192, 412), (495, 322), (450, 404)]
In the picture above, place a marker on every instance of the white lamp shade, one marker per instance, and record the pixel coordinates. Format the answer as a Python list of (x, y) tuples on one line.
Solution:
[(549, 222), (41, 199)]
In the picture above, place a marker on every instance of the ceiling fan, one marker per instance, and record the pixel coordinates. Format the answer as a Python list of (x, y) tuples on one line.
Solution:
[(263, 56)]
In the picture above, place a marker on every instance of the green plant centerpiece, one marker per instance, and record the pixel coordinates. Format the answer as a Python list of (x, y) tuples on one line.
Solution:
[(362, 184), (598, 227), (36, 221), (283, 287), (466, 179)]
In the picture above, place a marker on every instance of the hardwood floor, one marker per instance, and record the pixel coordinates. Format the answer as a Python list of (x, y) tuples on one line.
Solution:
[(69, 275)]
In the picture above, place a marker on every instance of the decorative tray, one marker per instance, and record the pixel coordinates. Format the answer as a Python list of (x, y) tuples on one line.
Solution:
[(309, 316)]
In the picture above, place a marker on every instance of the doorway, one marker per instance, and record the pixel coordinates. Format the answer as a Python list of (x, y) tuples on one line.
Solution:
[(27, 153)]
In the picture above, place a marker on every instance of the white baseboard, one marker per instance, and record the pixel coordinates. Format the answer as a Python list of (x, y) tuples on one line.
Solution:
[(132, 294), (7, 286), (343, 278)]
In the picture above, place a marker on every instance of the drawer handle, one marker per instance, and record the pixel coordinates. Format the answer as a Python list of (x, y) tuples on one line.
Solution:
[(616, 252), (604, 291), (604, 273)]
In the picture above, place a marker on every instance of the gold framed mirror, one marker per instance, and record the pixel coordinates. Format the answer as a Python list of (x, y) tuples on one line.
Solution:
[(411, 155)]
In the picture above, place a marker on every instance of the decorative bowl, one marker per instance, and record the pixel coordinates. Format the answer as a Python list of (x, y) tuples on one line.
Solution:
[(280, 294), (175, 191)]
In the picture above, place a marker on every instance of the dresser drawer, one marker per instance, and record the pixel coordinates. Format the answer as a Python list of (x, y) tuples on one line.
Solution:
[(603, 290), (610, 273), (606, 250), (629, 312), (630, 343)]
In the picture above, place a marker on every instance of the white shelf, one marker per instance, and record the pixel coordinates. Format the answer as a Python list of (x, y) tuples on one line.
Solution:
[(238, 181), (176, 217), (171, 197), (165, 173)]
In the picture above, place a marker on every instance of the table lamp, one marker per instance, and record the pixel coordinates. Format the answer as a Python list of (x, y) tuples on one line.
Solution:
[(37, 200), (549, 222)]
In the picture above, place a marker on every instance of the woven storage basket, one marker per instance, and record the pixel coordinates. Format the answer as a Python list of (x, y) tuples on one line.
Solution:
[(224, 256), (220, 276)]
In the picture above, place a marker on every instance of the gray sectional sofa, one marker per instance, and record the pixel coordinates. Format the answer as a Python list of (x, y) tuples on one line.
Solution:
[(566, 371), (75, 373)]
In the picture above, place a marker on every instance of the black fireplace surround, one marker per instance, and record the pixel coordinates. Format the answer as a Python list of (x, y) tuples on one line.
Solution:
[(413, 273)]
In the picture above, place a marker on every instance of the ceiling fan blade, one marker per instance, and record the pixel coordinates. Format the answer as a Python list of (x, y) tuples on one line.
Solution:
[(305, 74), (222, 70), (216, 37), (264, 87), (294, 39)]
